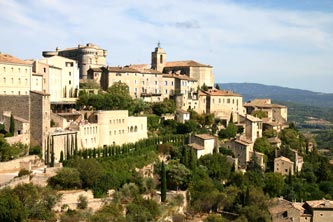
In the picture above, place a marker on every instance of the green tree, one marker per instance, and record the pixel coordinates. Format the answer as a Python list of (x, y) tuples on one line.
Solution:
[(110, 212), (167, 106), (66, 178), (217, 165), (12, 125), (274, 184), (229, 132), (82, 202), (214, 218), (163, 183), (217, 86), (204, 87), (262, 145), (178, 176), (61, 156), (11, 208)]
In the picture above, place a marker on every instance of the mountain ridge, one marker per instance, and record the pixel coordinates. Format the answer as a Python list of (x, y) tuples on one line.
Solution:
[(251, 91)]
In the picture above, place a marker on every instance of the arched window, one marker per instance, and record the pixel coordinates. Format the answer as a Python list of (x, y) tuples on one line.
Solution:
[(161, 58)]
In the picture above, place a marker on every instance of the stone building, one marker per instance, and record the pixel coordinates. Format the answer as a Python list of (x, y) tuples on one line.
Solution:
[(223, 103), (142, 82), (33, 109), (203, 144), (86, 56), (283, 165), (15, 75), (65, 77), (252, 126), (95, 129), (275, 113)]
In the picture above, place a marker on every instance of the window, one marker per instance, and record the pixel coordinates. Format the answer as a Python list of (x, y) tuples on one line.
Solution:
[(70, 73), (155, 82), (166, 91), (70, 82), (44, 69), (161, 58), (165, 83)]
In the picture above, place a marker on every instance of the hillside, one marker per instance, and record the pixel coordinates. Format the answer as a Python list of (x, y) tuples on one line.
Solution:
[(254, 90)]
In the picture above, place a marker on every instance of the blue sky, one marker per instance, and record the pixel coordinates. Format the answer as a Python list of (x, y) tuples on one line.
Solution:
[(282, 42)]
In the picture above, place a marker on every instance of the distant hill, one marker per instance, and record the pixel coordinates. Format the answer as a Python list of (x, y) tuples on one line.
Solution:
[(276, 93)]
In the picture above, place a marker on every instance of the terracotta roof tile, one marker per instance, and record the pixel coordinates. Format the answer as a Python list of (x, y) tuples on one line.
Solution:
[(121, 69), (216, 92), (205, 136), (6, 58), (187, 63), (177, 76)]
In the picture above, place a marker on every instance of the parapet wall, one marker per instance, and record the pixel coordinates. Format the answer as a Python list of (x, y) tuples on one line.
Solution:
[(18, 105)]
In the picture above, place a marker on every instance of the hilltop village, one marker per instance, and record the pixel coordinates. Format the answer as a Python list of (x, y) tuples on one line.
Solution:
[(71, 106)]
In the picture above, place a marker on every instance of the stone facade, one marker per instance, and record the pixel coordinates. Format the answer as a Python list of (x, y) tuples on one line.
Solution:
[(69, 78), (40, 110), (15, 75), (252, 126), (86, 56), (203, 144), (283, 165)]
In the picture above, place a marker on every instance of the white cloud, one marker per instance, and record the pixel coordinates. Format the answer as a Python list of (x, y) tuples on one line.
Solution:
[(241, 42)]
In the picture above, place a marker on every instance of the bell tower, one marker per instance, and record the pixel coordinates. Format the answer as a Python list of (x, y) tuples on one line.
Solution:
[(158, 58)]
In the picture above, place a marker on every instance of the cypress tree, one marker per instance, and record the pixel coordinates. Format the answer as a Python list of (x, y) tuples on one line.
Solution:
[(52, 159), (12, 125), (61, 157), (163, 183)]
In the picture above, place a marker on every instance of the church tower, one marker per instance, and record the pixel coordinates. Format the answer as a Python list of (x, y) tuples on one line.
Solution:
[(158, 58)]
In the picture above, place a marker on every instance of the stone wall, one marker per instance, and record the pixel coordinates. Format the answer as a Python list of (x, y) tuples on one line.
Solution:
[(18, 105), (14, 165)]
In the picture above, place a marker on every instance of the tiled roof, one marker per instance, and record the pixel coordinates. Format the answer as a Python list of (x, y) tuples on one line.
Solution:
[(177, 76), (121, 69), (245, 143), (283, 159), (187, 63), (205, 136), (96, 69), (320, 203), (182, 111), (263, 105), (6, 58), (216, 92), (196, 146), (251, 118)]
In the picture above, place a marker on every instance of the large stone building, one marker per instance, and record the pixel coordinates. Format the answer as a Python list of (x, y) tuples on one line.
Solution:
[(15, 75), (23, 94), (95, 129), (64, 77), (87, 56)]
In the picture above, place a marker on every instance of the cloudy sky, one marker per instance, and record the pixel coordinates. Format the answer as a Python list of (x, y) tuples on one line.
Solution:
[(277, 42)]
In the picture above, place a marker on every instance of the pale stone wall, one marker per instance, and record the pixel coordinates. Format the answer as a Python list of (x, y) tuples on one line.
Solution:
[(37, 82), (43, 70), (40, 117), (22, 126), (69, 75), (224, 106), (323, 215), (14, 165), (15, 79), (137, 128), (55, 80), (203, 75), (167, 86), (283, 165)]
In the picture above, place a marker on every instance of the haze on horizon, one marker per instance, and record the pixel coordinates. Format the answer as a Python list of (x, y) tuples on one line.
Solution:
[(284, 43)]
